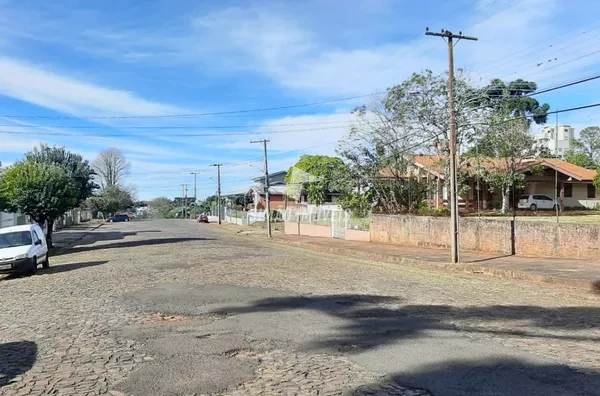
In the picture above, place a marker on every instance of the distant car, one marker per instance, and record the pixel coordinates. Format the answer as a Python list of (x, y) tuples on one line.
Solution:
[(22, 249), (203, 218), (118, 218), (536, 201)]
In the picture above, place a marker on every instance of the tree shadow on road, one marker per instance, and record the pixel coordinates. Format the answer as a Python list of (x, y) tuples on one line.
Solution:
[(126, 244), (16, 358), (366, 322), (54, 269), (492, 377), (372, 321)]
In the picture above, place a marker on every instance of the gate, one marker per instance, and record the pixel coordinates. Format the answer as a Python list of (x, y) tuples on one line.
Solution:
[(338, 224)]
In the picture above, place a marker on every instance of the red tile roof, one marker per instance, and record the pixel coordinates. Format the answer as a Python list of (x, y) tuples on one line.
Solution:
[(435, 164)]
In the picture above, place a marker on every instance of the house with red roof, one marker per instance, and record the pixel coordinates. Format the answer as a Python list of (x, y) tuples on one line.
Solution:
[(572, 184)]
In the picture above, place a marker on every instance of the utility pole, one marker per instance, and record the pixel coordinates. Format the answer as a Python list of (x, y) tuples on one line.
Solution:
[(267, 186), (195, 197), (218, 190), (184, 197), (449, 38)]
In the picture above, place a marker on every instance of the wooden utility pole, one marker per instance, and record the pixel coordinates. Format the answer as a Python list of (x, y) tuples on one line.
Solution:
[(195, 190), (454, 240), (184, 202), (267, 186), (218, 190)]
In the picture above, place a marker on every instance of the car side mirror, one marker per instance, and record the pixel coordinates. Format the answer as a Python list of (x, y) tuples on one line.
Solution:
[(38, 242)]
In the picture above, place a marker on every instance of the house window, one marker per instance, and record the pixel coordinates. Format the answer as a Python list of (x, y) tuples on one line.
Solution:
[(591, 191), (568, 190)]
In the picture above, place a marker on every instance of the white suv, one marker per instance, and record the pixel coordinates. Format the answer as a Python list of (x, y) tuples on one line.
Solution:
[(22, 249), (536, 201)]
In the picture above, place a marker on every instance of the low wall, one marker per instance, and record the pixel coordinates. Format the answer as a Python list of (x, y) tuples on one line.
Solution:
[(315, 230), (526, 238), (355, 235)]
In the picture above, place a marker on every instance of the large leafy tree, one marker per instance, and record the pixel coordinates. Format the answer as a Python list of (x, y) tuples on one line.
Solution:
[(586, 149), (78, 169), (161, 207), (511, 99), (317, 175), (508, 143), (112, 200), (44, 191), (378, 151)]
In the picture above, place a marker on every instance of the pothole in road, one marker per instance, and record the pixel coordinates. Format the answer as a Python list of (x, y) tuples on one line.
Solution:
[(243, 353)]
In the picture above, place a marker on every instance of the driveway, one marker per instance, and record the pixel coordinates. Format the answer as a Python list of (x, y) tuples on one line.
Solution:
[(179, 308)]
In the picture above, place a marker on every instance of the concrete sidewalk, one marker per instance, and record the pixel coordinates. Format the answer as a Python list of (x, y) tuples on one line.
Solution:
[(584, 274)]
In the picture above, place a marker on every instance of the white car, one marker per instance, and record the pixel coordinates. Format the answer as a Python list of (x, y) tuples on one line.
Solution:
[(536, 201), (22, 249)]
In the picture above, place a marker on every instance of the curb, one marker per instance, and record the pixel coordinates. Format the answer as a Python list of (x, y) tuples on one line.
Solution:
[(591, 285)]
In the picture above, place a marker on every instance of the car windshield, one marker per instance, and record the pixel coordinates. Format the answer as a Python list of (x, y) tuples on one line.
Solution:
[(12, 239)]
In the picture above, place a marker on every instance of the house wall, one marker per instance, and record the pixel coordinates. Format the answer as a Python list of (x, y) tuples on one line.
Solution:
[(277, 202), (529, 238), (578, 199)]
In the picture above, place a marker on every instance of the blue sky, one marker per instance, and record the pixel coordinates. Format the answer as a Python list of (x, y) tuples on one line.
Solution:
[(75, 59)]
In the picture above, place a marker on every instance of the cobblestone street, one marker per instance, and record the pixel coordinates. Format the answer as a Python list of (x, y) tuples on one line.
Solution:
[(179, 308)]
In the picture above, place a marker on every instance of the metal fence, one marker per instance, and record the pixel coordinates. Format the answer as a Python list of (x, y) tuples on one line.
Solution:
[(327, 215)]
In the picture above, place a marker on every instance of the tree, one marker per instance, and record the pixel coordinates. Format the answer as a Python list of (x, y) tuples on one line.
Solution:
[(586, 149), (76, 167), (421, 105), (112, 200), (511, 100), (580, 158), (317, 175), (161, 207), (378, 151), (44, 191), (111, 167), (509, 141)]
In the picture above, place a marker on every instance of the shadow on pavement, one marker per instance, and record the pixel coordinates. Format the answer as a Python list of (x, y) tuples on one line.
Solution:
[(16, 358), (69, 267), (54, 270), (499, 377), (125, 244), (368, 325)]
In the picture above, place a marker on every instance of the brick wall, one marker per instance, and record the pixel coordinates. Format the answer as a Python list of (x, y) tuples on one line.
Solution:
[(493, 236)]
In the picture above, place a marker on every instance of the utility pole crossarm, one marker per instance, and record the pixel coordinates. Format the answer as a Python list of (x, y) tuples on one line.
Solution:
[(449, 34)]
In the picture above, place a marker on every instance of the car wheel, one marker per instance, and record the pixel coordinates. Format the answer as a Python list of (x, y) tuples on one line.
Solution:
[(110, 221), (46, 263), (555, 207), (533, 207)]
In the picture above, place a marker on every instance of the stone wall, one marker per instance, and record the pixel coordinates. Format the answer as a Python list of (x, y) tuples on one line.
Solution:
[(526, 238)]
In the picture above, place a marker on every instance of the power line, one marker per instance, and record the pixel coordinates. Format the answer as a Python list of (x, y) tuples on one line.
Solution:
[(171, 126), (42, 133), (34, 133), (188, 115), (496, 65)]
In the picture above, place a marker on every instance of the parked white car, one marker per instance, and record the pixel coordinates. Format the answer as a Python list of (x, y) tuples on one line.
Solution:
[(23, 248), (536, 201)]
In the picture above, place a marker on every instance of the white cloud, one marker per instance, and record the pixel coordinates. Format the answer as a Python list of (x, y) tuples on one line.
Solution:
[(25, 82)]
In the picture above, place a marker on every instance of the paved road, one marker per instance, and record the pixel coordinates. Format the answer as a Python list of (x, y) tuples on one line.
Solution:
[(177, 308)]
